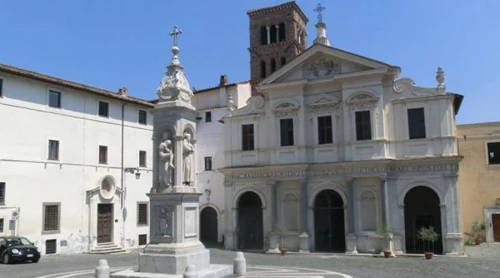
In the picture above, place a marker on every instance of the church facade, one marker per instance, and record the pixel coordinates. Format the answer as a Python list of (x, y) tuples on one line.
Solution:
[(333, 149)]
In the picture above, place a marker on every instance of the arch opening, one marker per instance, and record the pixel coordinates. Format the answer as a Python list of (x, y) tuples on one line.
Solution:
[(250, 222), (422, 209), (329, 227), (208, 227)]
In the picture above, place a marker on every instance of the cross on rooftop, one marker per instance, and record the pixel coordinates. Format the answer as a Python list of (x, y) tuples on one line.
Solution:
[(175, 33), (319, 9)]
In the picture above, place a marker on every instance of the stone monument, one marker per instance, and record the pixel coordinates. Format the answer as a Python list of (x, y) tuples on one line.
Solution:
[(174, 197)]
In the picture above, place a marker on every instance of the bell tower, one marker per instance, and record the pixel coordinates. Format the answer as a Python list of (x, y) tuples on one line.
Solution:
[(277, 35)]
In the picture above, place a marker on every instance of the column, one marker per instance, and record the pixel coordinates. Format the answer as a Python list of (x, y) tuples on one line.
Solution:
[(450, 215), (273, 235), (387, 231), (177, 179), (351, 239), (268, 28), (304, 237), (277, 33), (230, 217)]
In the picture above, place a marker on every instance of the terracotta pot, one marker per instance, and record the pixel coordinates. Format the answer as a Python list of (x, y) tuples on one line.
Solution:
[(428, 255), (283, 251), (387, 254), (477, 241)]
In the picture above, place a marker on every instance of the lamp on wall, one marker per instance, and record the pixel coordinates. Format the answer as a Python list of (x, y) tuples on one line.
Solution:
[(132, 171)]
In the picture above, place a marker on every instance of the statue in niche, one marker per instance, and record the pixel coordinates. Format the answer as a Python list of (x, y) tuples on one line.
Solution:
[(187, 151), (166, 156), (164, 222)]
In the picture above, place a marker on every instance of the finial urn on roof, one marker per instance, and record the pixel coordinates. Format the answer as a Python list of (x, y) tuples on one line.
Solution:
[(175, 86)]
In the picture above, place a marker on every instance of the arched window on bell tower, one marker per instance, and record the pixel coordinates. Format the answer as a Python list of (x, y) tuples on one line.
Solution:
[(263, 35), (282, 32), (283, 61), (273, 65), (273, 34), (262, 69)]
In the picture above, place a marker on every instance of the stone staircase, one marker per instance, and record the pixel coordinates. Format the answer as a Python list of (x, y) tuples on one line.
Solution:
[(106, 248)]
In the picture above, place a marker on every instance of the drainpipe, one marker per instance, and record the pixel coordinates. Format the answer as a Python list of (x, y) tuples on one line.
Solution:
[(122, 173), (122, 199)]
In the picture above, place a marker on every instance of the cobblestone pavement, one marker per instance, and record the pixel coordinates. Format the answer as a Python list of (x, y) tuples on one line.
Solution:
[(479, 264)]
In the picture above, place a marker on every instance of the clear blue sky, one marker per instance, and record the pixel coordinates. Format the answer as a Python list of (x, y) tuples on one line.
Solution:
[(114, 43)]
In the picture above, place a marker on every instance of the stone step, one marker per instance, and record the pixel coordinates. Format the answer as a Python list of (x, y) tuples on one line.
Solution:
[(106, 248)]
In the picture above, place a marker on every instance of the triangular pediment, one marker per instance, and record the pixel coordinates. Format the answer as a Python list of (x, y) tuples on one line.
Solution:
[(323, 99), (321, 62)]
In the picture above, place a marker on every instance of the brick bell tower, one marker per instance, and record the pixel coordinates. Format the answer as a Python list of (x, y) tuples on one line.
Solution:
[(277, 35)]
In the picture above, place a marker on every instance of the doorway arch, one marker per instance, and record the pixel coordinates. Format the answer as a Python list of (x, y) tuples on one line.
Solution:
[(422, 209), (250, 221), (329, 225), (208, 226)]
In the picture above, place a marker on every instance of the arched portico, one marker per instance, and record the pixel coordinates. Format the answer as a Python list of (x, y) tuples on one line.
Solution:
[(250, 222), (422, 208)]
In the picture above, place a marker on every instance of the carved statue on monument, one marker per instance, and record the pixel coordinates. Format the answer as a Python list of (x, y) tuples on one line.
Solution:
[(166, 156), (187, 151), (164, 222)]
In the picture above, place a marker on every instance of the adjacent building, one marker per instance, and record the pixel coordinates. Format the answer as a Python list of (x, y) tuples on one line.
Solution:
[(69, 158), (335, 147), (479, 179)]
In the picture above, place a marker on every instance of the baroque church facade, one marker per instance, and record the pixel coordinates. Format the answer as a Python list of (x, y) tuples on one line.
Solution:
[(334, 147)]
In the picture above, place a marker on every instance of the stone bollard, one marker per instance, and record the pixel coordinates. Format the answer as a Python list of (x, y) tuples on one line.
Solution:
[(102, 269), (239, 265), (190, 272)]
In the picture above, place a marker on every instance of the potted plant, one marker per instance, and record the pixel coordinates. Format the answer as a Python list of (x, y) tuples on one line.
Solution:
[(386, 233), (278, 229), (477, 228), (428, 235)]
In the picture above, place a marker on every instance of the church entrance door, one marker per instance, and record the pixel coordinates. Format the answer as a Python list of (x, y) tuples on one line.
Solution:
[(422, 210), (250, 222), (208, 226), (329, 228), (104, 223)]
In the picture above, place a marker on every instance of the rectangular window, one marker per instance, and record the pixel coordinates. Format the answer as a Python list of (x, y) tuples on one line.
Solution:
[(363, 125), (208, 163), (1, 87), (208, 116), (142, 214), (325, 135), (53, 150), (54, 99), (143, 117), (143, 239), (51, 246), (51, 218), (494, 153), (103, 155), (247, 137), (142, 158), (103, 109), (1, 225), (286, 131), (416, 123), (2, 193)]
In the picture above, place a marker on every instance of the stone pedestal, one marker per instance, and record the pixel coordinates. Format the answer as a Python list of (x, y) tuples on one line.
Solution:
[(454, 244), (304, 243), (274, 243), (174, 238), (351, 241)]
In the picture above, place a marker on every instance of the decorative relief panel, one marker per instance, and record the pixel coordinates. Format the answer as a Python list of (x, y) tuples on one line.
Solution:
[(363, 100), (286, 108), (323, 68), (164, 221)]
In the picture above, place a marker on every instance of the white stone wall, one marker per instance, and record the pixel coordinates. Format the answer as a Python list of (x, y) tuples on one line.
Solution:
[(31, 179)]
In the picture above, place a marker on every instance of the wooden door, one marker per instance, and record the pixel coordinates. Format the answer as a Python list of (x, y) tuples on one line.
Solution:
[(496, 227), (104, 223)]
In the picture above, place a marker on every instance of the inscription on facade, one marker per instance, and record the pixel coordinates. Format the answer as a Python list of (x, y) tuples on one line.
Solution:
[(347, 171)]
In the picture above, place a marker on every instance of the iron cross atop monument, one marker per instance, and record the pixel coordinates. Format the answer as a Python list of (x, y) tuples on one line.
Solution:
[(319, 9), (175, 33)]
